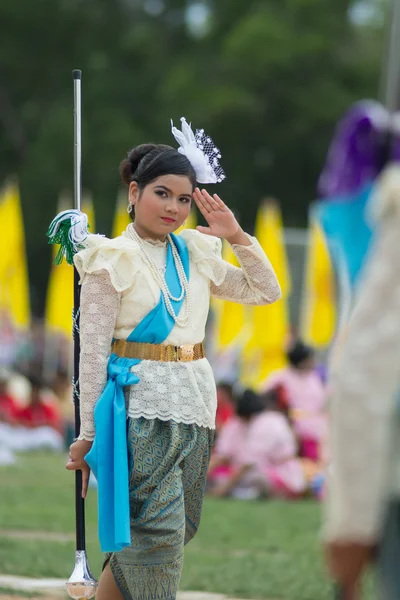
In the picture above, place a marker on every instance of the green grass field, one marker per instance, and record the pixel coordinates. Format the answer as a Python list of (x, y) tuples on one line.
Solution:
[(245, 549)]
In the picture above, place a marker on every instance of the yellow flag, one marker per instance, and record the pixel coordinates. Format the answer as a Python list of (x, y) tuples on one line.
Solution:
[(60, 291), (230, 316), (4, 256), (269, 232), (319, 304), (265, 351), (14, 283), (121, 217)]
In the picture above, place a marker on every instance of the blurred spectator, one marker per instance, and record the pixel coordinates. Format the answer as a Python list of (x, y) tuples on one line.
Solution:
[(34, 426), (31, 352), (8, 341), (8, 406), (258, 449), (225, 405), (62, 388), (40, 412), (306, 396)]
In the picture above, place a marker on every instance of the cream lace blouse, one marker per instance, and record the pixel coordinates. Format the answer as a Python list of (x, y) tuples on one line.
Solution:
[(118, 291)]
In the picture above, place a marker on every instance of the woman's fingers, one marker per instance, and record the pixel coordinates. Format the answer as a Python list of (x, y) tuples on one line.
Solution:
[(198, 198), (206, 230), (220, 203), (76, 466), (85, 480), (209, 200)]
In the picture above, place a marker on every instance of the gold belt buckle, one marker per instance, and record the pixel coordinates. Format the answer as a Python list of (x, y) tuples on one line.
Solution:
[(185, 353)]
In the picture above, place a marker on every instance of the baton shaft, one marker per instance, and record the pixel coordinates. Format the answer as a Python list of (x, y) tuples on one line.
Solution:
[(79, 501), (77, 140)]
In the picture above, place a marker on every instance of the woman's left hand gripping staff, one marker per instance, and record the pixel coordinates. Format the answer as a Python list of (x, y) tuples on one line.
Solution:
[(76, 462)]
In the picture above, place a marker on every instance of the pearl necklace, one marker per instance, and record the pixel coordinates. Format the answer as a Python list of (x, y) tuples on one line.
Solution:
[(160, 279)]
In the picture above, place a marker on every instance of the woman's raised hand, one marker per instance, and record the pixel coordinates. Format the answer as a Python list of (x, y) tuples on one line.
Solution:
[(221, 220)]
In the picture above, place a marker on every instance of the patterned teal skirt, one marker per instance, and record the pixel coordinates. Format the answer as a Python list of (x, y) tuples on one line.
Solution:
[(169, 463)]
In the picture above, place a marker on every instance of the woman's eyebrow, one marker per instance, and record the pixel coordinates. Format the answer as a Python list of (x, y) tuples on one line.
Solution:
[(164, 187)]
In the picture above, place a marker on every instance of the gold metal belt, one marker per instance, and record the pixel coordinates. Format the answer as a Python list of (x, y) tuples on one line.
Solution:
[(158, 352)]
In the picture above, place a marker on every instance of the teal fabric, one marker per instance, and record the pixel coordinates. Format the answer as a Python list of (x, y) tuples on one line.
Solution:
[(166, 488), (108, 457), (349, 235)]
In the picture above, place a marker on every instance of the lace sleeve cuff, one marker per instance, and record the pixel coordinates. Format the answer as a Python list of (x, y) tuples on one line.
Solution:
[(255, 283)]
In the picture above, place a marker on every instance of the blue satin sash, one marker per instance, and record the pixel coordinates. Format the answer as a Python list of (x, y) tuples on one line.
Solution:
[(108, 457)]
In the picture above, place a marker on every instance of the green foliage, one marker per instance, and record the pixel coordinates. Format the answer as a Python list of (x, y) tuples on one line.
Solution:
[(268, 79)]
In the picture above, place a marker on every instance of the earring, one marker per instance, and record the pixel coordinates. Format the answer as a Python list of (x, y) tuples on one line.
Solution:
[(129, 208)]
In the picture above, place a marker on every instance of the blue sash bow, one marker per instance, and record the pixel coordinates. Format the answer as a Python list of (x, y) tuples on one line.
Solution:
[(108, 457)]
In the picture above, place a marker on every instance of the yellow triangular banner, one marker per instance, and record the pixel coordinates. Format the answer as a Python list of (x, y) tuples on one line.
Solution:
[(121, 216), (230, 317), (265, 351), (14, 283), (319, 301)]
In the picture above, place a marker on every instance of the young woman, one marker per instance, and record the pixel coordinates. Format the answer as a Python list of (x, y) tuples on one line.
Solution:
[(145, 297)]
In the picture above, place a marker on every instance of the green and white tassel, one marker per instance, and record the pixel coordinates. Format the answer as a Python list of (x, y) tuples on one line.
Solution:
[(70, 230)]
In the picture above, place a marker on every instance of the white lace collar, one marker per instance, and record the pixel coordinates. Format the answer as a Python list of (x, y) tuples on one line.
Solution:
[(152, 242)]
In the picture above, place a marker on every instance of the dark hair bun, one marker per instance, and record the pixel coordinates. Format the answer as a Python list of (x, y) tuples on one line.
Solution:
[(129, 165)]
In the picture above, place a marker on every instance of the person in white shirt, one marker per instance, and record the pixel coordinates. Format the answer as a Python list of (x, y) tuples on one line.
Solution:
[(363, 500)]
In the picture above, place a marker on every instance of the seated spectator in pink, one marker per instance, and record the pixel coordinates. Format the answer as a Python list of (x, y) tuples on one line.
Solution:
[(8, 407), (305, 393), (259, 449), (225, 405), (39, 412)]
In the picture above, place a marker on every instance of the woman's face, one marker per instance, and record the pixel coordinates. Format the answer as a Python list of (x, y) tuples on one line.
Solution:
[(162, 206)]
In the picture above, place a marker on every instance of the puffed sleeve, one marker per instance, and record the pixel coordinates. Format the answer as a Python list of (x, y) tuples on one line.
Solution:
[(253, 283), (120, 257)]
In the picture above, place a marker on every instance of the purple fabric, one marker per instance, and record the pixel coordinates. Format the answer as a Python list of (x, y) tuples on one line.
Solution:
[(395, 154), (364, 142), (322, 372), (358, 150)]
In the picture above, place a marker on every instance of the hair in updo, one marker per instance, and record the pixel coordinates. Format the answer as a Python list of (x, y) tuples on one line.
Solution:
[(149, 161)]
